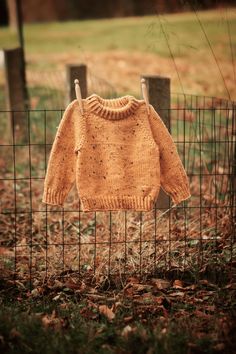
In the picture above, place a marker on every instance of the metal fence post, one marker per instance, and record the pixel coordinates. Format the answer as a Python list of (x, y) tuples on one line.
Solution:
[(15, 91), (76, 72), (158, 88)]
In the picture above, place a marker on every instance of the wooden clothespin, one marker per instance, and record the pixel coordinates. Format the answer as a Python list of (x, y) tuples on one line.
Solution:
[(78, 95), (145, 94)]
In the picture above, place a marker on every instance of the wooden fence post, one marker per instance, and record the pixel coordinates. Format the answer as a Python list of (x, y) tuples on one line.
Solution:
[(158, 88), (233, 177), (76, 72), (15, 91)]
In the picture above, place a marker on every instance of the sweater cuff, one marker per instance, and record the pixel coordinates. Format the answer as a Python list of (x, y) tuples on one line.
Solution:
[(179, 194), (53, 197)]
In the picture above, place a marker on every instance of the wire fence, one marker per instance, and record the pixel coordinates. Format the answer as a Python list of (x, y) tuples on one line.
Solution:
[(40, 242), (48, 88)]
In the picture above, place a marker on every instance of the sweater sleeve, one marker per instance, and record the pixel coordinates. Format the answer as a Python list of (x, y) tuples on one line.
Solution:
[(60, 175), (174, 180)]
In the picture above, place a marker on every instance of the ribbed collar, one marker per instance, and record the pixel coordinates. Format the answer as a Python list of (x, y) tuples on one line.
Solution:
[(112, 108)]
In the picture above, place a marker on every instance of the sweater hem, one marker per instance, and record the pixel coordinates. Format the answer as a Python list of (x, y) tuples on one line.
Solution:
[(104, 203)]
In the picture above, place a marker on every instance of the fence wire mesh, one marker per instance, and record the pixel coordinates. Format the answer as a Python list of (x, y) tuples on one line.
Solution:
[(39, 242), (49, 88)]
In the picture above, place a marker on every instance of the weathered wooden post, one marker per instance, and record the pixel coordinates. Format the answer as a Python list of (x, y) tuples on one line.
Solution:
[(158, 88), (76, 72), (12, 13), (233, 177), (15, 91)]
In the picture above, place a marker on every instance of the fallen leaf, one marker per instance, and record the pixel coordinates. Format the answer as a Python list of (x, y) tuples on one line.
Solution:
[(107, 312), (4, 251), (192, 345), (182, 313), (133, 280), (161, 283), (191, 287), (57, 297), (35, 292), (88, 313), (163, 331), (177, 293), (230, 286), (201, 314), (210, 308), (142, 287), (159, 299), (116, 305), (72, 285), (219, 347), (127, 330), (207, 283), (65, 305), (177, 284), (128, 319), (50, 320), (14, 333)]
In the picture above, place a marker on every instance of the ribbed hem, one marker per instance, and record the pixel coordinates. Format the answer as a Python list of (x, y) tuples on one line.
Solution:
[(179, 194), (53, 197), (137, 203)]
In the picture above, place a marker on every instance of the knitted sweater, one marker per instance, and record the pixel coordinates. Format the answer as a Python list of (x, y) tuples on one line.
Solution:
[(117, 154)]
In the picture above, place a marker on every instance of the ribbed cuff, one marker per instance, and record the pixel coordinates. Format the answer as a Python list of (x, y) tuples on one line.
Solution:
[(53, 197), (179, 194)]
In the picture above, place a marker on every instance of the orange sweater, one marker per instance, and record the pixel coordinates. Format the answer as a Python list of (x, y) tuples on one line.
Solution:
[(117, 154)]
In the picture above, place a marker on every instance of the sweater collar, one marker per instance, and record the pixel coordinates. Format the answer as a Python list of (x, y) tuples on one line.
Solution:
[(113, 108)]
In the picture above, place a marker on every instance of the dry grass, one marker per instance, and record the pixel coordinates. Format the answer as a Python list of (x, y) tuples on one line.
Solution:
[(37, 242), (56, 242), (120, 50)]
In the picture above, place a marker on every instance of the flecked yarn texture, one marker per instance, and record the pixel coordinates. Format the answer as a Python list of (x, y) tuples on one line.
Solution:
[(117, 154)]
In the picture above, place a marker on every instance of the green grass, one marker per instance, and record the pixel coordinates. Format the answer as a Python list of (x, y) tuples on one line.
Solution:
[(23, 331), (74, 325), (132, 34), (131, 42)]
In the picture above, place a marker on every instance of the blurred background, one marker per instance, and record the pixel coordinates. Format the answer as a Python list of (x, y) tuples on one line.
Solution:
[(61, 10), (42, 46), (192, 42)]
